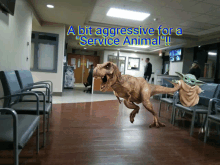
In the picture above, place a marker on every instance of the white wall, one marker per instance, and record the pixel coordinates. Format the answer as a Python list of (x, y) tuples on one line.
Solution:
[(155, 60), (15, 32), (56, 78), (175, 67)]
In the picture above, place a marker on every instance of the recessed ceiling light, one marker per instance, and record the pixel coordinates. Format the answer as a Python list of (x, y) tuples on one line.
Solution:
[(140, 46), (160, 54), (212, 53), (199, 46), (155, 19), (127, 14), (85, 48), (50, 6)]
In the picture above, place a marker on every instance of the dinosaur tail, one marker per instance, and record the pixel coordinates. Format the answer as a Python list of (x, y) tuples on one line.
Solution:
[(157, 89)]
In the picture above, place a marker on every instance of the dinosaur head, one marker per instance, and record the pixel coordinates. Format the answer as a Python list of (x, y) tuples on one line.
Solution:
[(109, 74), (190, 79)]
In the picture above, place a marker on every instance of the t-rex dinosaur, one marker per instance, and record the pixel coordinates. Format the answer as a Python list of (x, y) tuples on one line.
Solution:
[(131, 89)]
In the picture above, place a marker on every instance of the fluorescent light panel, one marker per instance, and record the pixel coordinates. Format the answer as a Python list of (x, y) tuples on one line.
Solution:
[(127, 14), (212, 53), (50, 6)]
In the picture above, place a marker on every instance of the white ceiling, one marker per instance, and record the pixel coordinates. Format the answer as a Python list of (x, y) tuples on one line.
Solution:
[(197, 18)]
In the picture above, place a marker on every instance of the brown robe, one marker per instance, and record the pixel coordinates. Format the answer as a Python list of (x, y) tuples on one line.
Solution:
[(189, 95)]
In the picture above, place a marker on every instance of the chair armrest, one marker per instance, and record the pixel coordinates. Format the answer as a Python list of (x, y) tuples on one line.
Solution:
[(215, 100), (48, 81), (15, 125), (39, 83), (34, 87), (24, 93)]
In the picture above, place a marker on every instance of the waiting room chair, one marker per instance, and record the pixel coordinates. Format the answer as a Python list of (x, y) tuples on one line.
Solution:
[(11, 87), (25, 80), (213, 117), (201, 108), (16, 130)]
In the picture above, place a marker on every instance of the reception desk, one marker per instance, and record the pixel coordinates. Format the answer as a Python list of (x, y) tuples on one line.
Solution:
[(97, 85)]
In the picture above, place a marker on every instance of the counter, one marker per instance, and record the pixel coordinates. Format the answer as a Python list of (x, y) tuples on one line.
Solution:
[(158, 78)]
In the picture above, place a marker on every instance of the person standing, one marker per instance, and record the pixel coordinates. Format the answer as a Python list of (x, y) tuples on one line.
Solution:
[(90, 77), (148, 69), (195, 70)]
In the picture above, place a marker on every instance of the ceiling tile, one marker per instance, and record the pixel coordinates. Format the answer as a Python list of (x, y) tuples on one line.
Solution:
[(173, 13), (181, 4), (215, 21), (100, 10), (104, 3), (156, 2), (96, 17), (215, 12), (192, 30), (201, 7), (215, 2), (199, 25), (203, 18)]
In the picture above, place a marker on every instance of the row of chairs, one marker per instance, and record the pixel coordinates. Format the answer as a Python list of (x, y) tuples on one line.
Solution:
[(209, 106), (23, 103)]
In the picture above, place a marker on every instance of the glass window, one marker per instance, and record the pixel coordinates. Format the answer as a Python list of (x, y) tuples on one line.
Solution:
[(44, 59), (46, 53)]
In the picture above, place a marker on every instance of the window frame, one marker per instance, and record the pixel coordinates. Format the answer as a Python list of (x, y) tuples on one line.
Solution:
[(38, 41)]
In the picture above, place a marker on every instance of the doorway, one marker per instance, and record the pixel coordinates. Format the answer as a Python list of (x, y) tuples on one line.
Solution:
[(81, 64)]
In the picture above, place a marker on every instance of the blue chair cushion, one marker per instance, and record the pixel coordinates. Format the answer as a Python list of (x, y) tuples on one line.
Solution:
[(26, 126), (214, 117), (30, 107), (167, 100), (199, 109)]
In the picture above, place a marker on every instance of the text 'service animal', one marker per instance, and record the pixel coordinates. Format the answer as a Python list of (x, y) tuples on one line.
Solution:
[(131, 89)]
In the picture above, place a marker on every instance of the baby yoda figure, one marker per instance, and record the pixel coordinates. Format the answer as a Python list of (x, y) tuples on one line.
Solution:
[(189, 89)]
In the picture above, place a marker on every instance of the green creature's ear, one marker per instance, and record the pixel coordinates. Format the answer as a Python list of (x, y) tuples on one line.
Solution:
[(199, 83), (180, 75)]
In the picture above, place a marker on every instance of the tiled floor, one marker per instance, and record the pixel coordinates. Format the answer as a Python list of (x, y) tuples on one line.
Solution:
[(78, 96)]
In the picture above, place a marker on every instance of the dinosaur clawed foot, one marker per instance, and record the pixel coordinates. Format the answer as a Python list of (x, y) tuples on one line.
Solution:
[(157, 124), (132, 115)]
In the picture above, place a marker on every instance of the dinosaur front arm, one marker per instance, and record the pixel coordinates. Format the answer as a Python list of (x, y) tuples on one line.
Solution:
[(117, 97)]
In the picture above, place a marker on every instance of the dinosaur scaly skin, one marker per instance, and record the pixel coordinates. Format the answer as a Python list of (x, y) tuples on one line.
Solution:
[(131, 89)]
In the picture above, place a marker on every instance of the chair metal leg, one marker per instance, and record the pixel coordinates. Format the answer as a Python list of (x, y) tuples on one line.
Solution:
[(37, 139), (16, 157), (192, 124), (44, 129), (171, 119), (174, 115), (217, 127), (206, 130), (168, 106), (160, 108), (178, 112), (48, 122)]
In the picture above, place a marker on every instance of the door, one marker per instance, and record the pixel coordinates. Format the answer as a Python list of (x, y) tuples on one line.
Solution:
[(87, 61), (76, 60)]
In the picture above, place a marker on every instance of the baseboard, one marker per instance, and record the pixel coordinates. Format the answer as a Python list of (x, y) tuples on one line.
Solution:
[(57, 93), (99, 92)]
